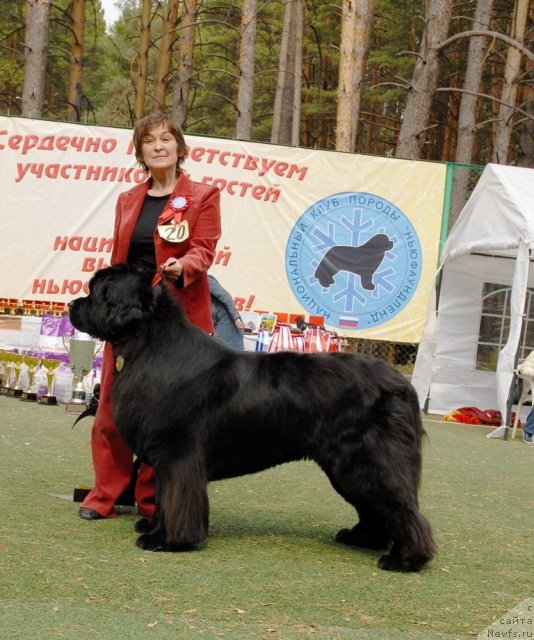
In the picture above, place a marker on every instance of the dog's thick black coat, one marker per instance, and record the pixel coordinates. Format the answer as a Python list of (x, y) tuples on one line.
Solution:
[(197, 411)]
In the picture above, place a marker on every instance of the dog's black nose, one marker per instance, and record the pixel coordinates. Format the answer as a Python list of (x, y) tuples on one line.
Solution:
[(70, 304)]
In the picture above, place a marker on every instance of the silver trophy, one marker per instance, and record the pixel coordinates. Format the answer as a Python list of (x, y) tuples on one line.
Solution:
[(82, 350)]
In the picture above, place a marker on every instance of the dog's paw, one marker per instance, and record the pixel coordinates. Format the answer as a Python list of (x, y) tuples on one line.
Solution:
[(154, 542), (392, 562), (150, 542), (145, 525), (182, 546), (344, 536), (358, 537)]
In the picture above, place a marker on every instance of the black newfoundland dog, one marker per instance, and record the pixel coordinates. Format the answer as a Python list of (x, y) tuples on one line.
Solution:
[(197, 411)]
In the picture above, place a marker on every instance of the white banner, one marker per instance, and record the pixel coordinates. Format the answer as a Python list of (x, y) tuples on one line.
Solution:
[(352, 239)]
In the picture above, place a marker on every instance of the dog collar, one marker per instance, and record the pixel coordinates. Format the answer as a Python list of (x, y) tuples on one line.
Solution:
[(119, 363)]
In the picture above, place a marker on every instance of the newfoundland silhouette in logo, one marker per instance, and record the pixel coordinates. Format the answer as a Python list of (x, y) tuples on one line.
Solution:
[(363, 261), (353, 258)]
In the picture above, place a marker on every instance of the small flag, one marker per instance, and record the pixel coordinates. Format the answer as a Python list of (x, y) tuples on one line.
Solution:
[(348, 321)]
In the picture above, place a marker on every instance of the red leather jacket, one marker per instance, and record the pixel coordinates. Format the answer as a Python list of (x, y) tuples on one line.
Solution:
[(196, 253)]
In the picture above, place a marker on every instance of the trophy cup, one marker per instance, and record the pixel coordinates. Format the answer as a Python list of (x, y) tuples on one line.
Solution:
[(32, 362), (16, 391), (81, 356), (50, 365), (6, 372)]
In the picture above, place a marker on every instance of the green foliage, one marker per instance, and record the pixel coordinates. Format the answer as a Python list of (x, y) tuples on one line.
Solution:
[(213, 108), (97, 64), (11, 56), (395, 36), (111, 66)]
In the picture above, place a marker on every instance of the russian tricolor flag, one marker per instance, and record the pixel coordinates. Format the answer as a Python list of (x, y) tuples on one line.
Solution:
[(348, 321)]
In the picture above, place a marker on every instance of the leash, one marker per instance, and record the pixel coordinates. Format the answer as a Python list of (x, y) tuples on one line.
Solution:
[(158, 277)]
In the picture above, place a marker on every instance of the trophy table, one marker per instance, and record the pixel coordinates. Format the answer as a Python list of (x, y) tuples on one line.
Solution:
[(81, 356), (50, 364), (5, 362), (16, 391), (30, 395)]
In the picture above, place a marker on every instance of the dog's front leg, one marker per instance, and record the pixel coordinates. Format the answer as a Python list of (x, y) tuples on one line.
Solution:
[(152, 532), (182, 507), (146, 525)]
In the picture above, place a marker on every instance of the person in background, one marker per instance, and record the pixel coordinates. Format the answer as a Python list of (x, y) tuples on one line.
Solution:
[(169, 225), (229, 328), (526, 368), (528, 428)]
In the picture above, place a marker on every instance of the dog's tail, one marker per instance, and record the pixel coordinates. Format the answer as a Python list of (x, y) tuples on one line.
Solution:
[(411, 423), (93, 406)]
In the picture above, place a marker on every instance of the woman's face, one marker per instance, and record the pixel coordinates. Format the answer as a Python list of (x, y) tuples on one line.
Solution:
[(159, 149)]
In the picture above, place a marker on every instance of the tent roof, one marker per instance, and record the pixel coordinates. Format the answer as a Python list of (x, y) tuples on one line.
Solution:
[(499, 213)]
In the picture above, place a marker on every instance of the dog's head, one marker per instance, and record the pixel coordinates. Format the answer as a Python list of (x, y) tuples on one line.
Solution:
[(120, 297)]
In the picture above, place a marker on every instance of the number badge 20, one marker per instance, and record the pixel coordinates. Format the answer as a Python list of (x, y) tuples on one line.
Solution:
[(174, 232)]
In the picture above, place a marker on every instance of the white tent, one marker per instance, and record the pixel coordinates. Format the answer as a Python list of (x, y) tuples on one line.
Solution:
[(490, 243)]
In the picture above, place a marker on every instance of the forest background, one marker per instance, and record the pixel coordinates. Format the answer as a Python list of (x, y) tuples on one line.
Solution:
[(446, 80)]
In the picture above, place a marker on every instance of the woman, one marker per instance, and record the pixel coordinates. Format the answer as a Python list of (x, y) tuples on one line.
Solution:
[(170, 225)]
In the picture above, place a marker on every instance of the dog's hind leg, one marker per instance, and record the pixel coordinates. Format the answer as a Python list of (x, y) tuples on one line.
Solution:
[(387, 520), (388, 513), (182, 508), (369, 533), (413, 545)]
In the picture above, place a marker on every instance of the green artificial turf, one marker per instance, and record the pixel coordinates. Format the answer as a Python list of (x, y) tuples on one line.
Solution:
[(271, 568)]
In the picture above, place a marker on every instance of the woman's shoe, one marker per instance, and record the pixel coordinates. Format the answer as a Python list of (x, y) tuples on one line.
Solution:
[(89, 514)]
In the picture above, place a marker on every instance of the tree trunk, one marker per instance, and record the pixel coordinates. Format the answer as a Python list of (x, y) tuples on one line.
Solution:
[(142, 59), (349, 17), (509, 85), (297, 82), (168, 31), (424, 81), (468, 106), (355, 28), (363, 36), (245, 90), (75, 82), (184, 71), (35, 56), (282, 121), (525, 155)]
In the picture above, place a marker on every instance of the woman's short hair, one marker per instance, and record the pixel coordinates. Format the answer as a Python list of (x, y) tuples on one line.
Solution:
[(155, 119)]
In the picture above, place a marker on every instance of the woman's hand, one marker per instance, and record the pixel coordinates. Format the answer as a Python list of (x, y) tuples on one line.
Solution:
[(171, 269)]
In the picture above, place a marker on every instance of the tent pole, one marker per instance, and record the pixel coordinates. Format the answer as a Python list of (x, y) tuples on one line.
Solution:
[(510, 401), (445, 214)]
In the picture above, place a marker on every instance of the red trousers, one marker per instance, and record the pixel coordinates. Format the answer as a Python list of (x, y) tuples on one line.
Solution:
[(112, 459)]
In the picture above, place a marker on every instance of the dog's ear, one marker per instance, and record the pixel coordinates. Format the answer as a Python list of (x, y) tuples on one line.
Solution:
[(123, 315), (121, 301)]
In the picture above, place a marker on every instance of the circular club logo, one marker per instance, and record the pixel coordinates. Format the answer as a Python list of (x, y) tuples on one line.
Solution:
[(355, 259)]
